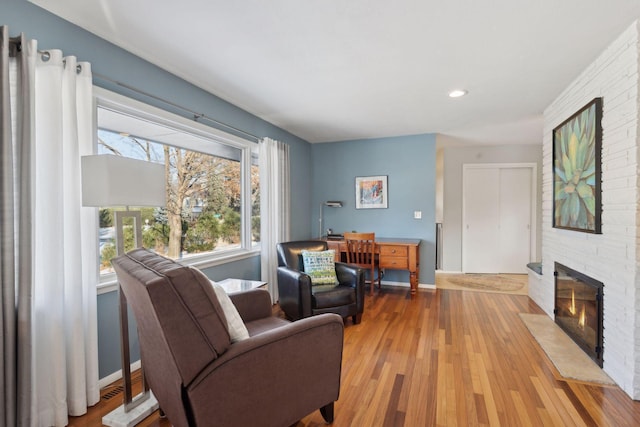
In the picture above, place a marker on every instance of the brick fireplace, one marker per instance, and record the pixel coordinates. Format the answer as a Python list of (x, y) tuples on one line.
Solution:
[(578, 309), (612, 257)]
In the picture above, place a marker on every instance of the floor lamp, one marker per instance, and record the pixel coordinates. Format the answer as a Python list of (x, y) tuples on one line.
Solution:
[(110, 181), (330, 203)]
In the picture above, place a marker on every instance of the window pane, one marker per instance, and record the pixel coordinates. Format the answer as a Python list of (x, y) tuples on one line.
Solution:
[(203, 211), (255, 204)]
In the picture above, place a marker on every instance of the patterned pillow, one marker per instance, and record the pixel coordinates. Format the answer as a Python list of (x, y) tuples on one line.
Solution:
[(320, 266)]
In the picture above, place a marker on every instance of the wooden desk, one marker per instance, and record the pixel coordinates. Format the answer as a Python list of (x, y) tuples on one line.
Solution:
[(395, 254)]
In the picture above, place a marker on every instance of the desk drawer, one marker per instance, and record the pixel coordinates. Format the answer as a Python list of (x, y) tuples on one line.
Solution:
[(393, 251), (394, 262)]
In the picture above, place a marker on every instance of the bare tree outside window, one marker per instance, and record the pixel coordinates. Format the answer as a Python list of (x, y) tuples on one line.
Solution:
[(203, 210)]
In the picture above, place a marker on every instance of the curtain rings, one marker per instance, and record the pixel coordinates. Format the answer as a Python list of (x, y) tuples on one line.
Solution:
[(64, 62), (15, 46)]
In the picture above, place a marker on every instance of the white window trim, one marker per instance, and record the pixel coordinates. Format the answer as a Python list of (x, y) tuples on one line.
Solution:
[(109, 283), (110, 100)]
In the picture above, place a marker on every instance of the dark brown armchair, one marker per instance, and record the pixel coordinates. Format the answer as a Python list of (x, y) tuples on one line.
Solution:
[(278, 375), (299, 299)]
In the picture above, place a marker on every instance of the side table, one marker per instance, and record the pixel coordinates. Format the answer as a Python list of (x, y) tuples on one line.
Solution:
[(240, 285)]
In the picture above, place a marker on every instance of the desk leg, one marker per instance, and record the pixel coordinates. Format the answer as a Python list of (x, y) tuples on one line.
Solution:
[(414, 268), (413, 280)]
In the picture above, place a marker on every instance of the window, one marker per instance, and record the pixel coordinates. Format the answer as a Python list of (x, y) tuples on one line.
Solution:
[(211, 179)]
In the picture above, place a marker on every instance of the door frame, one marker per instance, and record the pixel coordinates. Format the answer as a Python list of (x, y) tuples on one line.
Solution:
[(534, 202)]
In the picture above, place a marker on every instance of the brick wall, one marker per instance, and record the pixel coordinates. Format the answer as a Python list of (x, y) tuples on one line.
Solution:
[(611, 257)]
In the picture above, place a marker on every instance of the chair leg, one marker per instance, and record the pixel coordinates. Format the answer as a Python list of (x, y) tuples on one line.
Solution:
[(356, 318), (327, 413), (372, 278)]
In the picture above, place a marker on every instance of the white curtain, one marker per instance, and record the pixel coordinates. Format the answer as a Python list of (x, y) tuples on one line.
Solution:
[(274, 207), (64, 257), (17, 79)]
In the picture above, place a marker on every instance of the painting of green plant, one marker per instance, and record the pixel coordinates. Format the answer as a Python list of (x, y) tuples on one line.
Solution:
[(576, 201)]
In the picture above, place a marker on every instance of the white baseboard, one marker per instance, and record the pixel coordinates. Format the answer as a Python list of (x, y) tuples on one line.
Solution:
[(407, 285), (110, 379)]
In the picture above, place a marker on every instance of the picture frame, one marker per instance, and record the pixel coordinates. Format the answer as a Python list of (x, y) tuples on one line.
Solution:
[(372, 192), (577, 151)]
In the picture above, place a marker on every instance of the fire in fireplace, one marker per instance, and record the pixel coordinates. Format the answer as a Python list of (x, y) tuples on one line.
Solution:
[(578, 309)]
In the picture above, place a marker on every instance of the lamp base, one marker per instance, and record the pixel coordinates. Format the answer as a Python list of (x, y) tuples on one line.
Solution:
[(119, 418)]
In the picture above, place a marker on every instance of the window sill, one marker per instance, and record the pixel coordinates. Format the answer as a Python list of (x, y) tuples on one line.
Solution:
[(110, 284)]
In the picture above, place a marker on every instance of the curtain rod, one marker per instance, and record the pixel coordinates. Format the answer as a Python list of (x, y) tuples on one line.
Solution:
[(45, 55), (196, 116)]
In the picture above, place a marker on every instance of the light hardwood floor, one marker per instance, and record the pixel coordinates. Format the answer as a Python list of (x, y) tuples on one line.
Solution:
[(452, 358)]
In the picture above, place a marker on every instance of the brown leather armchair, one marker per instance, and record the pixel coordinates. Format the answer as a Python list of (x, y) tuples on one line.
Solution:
[(299, 299), (278, 375)]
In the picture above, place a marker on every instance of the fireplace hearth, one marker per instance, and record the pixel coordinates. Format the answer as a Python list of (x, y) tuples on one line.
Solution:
[(578, 309)]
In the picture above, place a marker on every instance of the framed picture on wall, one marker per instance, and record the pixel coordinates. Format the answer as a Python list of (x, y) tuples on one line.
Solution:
[(372, 192), (577, 146)]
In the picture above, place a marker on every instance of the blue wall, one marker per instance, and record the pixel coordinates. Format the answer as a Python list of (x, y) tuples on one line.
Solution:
[(119, 65), (409, 162)]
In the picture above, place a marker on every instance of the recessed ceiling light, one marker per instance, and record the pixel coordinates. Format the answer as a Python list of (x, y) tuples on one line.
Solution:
[(457, 93)]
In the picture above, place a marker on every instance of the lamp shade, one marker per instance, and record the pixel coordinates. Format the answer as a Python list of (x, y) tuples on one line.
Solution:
[(109, 180)]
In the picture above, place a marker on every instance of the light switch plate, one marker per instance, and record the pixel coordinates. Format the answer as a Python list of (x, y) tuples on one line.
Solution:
[(417, 214)]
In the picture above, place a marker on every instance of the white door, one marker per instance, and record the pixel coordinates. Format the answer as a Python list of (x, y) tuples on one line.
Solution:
[(497, 218), (515, 220), (480, 210)]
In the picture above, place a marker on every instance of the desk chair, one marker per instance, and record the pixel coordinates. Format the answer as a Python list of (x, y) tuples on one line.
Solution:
[(361, 251)]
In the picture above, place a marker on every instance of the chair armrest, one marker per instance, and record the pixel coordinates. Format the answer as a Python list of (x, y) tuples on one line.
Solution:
[(348, 273), (352, 275), (299, 364), (252, 305), (294, 293)]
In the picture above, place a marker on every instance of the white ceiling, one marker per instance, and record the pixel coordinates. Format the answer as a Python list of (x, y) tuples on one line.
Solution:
[(331, 70)]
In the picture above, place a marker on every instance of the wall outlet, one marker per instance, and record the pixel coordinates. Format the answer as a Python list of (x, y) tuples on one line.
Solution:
[(417, 214)]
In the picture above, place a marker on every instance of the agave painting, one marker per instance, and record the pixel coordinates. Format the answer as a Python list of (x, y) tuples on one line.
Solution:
[(576, 170)]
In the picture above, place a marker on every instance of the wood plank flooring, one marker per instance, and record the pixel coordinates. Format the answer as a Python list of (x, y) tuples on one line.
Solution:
[(451, 358)]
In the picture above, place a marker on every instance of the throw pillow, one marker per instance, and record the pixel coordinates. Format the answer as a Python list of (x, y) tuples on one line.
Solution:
[(237, 330), (320, 266)]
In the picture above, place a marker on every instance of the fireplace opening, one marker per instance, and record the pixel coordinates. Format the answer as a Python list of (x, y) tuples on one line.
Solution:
[(578, 309)]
